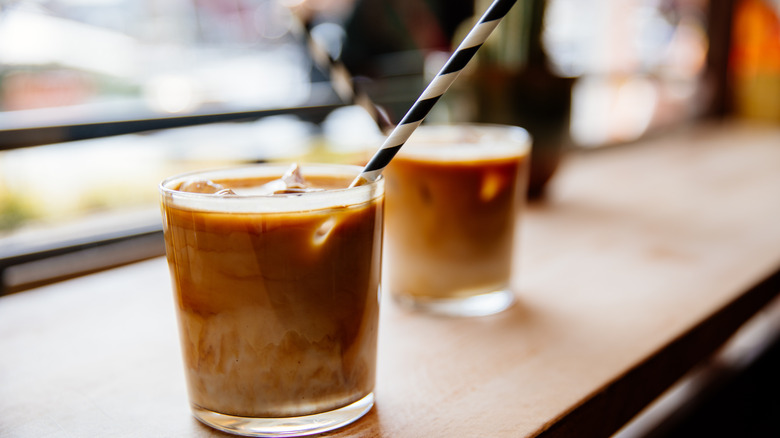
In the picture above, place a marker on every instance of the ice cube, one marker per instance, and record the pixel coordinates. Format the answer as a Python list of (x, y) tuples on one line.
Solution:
[(291, 182), (293, 178), (271, 187), (201, 186)]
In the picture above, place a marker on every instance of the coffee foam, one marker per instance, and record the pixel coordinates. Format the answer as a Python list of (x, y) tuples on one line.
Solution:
[(248, 201), (466, 143)]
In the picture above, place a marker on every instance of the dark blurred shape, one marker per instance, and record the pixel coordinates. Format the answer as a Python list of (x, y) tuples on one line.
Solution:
[(385, 37), (528, 95), (510, 82), (719, 32), (378, 28)]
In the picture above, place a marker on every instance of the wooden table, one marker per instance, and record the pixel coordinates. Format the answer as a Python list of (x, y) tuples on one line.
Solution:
[(643, 260)]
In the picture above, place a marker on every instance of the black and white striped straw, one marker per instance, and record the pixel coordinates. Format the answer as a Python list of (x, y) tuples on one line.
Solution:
[(438, 86)]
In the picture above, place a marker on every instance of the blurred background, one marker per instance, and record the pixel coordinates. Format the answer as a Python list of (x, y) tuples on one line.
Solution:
[(101, 99)]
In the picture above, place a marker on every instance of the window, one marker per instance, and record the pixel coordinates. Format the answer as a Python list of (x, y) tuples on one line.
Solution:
[(101, 99)]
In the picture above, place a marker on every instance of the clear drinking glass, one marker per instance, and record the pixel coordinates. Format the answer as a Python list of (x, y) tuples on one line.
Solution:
[(454, 194), (277, 297)]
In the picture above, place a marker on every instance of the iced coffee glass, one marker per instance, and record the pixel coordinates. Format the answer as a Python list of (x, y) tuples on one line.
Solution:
[(454, 193), (277, 295)]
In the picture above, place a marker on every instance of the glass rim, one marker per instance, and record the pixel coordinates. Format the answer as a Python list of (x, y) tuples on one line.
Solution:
[(472, 141), (307, 201)]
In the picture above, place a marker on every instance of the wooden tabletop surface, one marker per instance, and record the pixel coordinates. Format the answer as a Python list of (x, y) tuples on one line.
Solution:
[(641, 262)]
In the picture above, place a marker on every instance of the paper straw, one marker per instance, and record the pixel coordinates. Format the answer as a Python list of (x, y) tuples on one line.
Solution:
[(341, 79), (438, 86)]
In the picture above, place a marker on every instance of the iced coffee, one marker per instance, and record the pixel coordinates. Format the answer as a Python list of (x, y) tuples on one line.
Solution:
[(453, 198), (276, 283)]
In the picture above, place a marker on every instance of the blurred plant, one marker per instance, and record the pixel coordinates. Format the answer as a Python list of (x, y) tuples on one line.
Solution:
[(14, 212)]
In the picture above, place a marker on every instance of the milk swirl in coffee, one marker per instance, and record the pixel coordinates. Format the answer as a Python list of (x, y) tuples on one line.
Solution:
[(277, 305)]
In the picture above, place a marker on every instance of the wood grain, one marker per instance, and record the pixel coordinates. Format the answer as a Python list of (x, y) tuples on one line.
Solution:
[(641, 261)]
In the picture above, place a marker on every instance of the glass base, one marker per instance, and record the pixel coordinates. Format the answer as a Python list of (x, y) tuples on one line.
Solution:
[(477, 305), (287, 426)]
